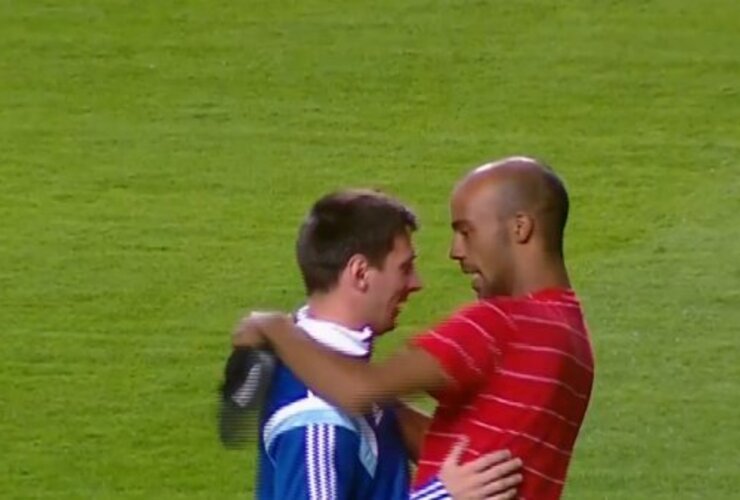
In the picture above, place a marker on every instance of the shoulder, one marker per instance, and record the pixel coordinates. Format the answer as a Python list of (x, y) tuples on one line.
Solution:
[(322, 425), (305, 412), (492, 316)]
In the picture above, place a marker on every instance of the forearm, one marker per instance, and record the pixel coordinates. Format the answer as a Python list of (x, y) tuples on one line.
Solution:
[(347, 382), (352, 384), (413, 424)]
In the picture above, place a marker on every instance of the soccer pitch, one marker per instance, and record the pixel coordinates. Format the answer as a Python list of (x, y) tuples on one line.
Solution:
[(157, 157)]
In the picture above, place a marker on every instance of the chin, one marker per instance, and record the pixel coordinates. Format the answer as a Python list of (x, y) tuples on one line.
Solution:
[(384, 328), (484, 293)]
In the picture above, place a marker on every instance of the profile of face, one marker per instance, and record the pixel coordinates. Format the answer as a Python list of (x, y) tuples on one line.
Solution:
[(481, 242), (389, 286)]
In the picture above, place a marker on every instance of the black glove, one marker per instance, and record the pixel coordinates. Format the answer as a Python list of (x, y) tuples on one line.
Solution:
[(247, 377)]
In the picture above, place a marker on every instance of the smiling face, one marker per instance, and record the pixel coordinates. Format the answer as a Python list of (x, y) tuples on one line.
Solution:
[(481, 242), (390, 285)]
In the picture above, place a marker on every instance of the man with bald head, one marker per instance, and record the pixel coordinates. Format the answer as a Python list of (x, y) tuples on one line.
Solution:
[(512, 370), (508, 218)]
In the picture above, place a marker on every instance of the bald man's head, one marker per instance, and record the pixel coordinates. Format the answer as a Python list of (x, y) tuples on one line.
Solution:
[(522, 184), (499, 205)]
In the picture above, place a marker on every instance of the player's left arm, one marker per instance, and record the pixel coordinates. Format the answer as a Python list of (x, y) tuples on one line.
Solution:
[(413, 424), (494, 476), (352, 384)]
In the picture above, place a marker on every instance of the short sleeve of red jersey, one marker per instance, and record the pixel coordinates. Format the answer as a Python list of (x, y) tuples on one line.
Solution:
[(465, 345)]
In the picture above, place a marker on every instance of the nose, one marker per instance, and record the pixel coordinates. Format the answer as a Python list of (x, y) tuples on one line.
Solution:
[(456, 252)]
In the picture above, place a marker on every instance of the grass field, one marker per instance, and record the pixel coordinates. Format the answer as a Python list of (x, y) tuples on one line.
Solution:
[(156, 158)]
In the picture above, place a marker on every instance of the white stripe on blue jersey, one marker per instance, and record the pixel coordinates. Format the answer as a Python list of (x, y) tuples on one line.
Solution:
[(331, 431), (312, 466)]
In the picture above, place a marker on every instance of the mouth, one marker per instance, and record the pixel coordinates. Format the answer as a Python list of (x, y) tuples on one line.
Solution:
[(398, 308), (468, 268)]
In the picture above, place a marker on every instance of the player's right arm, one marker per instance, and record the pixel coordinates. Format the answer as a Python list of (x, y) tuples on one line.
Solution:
[(455, 356), (352, 384), (314, 462)]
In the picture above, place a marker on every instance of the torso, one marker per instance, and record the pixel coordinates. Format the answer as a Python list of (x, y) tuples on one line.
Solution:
[(534, 401)]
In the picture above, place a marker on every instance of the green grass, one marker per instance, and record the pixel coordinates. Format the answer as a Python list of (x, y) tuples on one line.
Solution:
[(156, 158)]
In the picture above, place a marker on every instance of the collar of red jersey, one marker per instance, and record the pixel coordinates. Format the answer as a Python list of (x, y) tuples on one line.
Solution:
[(334, 336)]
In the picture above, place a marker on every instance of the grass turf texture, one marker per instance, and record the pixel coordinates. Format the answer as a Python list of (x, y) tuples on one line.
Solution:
[(156, 158)]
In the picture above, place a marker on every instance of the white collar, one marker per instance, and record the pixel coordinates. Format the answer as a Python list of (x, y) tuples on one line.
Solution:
[(335, 336)]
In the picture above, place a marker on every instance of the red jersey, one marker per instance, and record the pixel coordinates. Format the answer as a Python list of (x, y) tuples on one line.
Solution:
[(522, 371)]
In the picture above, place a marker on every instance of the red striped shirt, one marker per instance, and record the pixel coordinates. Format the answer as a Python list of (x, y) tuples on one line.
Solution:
[(523, 371)]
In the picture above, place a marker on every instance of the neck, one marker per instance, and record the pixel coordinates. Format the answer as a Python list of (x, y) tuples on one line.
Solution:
[(540, 274), (333, 307)]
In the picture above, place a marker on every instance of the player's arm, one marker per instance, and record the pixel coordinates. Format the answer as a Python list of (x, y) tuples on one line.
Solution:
[(314, 462), (352, 384), (413, 424)]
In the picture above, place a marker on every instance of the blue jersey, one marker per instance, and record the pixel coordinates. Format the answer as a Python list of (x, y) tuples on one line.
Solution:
[(310, 449)]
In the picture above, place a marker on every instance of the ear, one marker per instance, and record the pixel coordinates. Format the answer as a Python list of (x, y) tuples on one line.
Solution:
[(357, 272), (522, 227)]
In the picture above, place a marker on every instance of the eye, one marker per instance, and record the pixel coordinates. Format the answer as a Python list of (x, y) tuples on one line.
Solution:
[(462, 229)]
